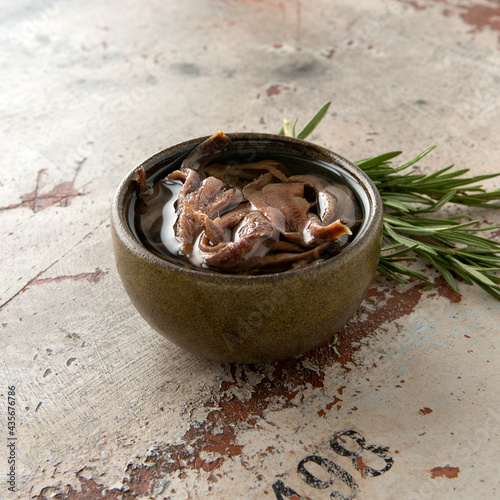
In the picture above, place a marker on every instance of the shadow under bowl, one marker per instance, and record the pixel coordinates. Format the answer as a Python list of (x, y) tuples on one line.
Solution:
[(249, 318)]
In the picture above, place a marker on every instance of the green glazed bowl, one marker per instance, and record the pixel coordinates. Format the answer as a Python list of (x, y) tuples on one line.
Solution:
[(249, 319)]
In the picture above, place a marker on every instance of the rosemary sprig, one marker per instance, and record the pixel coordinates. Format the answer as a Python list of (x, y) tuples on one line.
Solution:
[(449, 244)]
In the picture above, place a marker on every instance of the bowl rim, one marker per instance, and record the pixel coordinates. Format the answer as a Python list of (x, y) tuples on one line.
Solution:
[(121, 199)]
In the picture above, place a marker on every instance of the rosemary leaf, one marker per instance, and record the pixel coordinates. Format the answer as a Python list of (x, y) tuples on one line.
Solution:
[(377, 161), (314, 122)]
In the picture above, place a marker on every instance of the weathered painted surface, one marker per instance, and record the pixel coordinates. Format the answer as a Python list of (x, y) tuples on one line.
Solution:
[(404, 406)]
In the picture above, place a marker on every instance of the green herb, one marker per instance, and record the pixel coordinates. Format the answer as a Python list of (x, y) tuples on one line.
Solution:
[(69, 334), (288, 127), (450, 244)]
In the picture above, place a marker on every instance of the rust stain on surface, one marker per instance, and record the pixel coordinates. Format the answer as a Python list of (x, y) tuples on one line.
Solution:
[(425, 411), (448, 472), (90, 490), (389, 305), (62, 194), (444, 290), (478, 16), (482, 16), (361, 466), (336, 401), (217, 434)]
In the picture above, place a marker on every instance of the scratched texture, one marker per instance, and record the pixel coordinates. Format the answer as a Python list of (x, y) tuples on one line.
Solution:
[(106, 408)]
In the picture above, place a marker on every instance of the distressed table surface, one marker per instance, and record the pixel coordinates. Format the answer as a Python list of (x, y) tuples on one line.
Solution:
[(105, 407)]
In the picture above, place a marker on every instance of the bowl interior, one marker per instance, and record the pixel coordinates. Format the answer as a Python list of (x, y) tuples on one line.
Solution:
[(299, 156)]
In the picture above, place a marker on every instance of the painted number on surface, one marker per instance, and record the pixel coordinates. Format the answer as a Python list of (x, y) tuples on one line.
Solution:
[(332, 473), (356, 456)]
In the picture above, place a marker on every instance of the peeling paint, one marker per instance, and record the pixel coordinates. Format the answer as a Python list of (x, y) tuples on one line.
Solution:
[(380, 307), (207, 444), (425, 411), (448, 472), (62, 194), (444, 290), (482, 16), (478, 16)]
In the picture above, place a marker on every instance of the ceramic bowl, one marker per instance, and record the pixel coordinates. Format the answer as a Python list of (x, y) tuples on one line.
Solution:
[(249, 319)]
